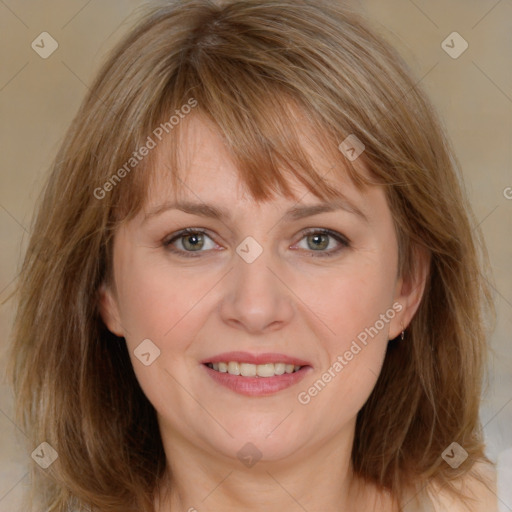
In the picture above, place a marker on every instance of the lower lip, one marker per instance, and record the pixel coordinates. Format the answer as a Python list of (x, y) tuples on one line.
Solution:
[(257, 386)]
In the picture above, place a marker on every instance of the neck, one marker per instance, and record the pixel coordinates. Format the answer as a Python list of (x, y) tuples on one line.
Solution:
[(319, 477)]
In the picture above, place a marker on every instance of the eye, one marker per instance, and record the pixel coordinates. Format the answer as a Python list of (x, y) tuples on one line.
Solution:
[(191, 240), (318, 240)]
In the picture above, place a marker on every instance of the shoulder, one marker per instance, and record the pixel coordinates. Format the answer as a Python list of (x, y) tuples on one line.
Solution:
[(478, 485)]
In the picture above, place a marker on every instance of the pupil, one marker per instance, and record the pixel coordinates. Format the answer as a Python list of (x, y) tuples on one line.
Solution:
[(318, 238), (196, 241)]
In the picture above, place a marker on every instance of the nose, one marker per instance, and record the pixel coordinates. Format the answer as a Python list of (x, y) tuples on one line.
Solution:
[(256, 298)]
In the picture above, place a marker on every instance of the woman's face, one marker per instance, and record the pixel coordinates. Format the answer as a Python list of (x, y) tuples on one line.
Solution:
[(261, 284)]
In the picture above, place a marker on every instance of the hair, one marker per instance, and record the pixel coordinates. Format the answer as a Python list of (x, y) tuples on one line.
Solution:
[(257, 69)]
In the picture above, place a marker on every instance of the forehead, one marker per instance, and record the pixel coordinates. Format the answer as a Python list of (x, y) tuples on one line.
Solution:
[(207, 171)]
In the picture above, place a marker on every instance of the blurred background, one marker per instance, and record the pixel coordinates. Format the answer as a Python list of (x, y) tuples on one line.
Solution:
[(51, 50)]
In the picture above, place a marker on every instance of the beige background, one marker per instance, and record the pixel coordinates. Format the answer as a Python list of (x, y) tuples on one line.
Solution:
[(473, 93)]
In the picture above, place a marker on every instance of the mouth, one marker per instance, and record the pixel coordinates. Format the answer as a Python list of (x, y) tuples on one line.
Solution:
[(256, 375)]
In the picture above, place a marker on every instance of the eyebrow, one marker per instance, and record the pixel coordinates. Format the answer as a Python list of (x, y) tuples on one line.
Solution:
[(221, 213)]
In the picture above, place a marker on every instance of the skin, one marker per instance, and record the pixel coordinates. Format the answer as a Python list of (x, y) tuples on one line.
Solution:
[(290, 300)]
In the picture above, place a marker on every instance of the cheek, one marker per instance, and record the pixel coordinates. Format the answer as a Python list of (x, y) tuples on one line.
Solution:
[(155, 302), (163, 307), (351, 301), (356, 307)]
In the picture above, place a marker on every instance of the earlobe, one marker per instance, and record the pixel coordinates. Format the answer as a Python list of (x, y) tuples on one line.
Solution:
[(109, 310), (409, 292)]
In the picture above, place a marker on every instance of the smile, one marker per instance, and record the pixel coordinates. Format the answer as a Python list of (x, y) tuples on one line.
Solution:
[(255, 380), (254, 370)]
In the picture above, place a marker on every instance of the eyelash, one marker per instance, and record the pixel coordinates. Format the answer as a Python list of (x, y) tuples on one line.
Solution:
[(345, 243)]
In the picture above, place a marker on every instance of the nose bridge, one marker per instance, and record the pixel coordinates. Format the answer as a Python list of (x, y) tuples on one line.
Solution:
[(257, 299)]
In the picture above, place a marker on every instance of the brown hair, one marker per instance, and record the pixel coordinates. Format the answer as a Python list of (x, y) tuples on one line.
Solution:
[(239, 61)]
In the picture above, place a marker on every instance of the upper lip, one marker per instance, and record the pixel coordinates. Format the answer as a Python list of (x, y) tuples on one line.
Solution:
[(247, 357)]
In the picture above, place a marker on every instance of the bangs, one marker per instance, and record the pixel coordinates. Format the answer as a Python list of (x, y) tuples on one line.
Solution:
[(263, 125)]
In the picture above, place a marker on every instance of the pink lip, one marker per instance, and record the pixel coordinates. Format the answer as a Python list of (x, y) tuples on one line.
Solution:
[(256, 386), (246, 357)]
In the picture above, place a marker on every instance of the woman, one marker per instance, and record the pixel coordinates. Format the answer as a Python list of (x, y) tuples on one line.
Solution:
[(254, 282)]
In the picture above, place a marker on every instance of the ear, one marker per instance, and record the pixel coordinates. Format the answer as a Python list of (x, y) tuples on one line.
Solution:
[(409, 291), (109, 310)]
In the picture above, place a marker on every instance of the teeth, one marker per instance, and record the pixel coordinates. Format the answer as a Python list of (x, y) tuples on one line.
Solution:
[(253, 370), (265, 370), (279, 368), (233, 368), (248, 370)]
